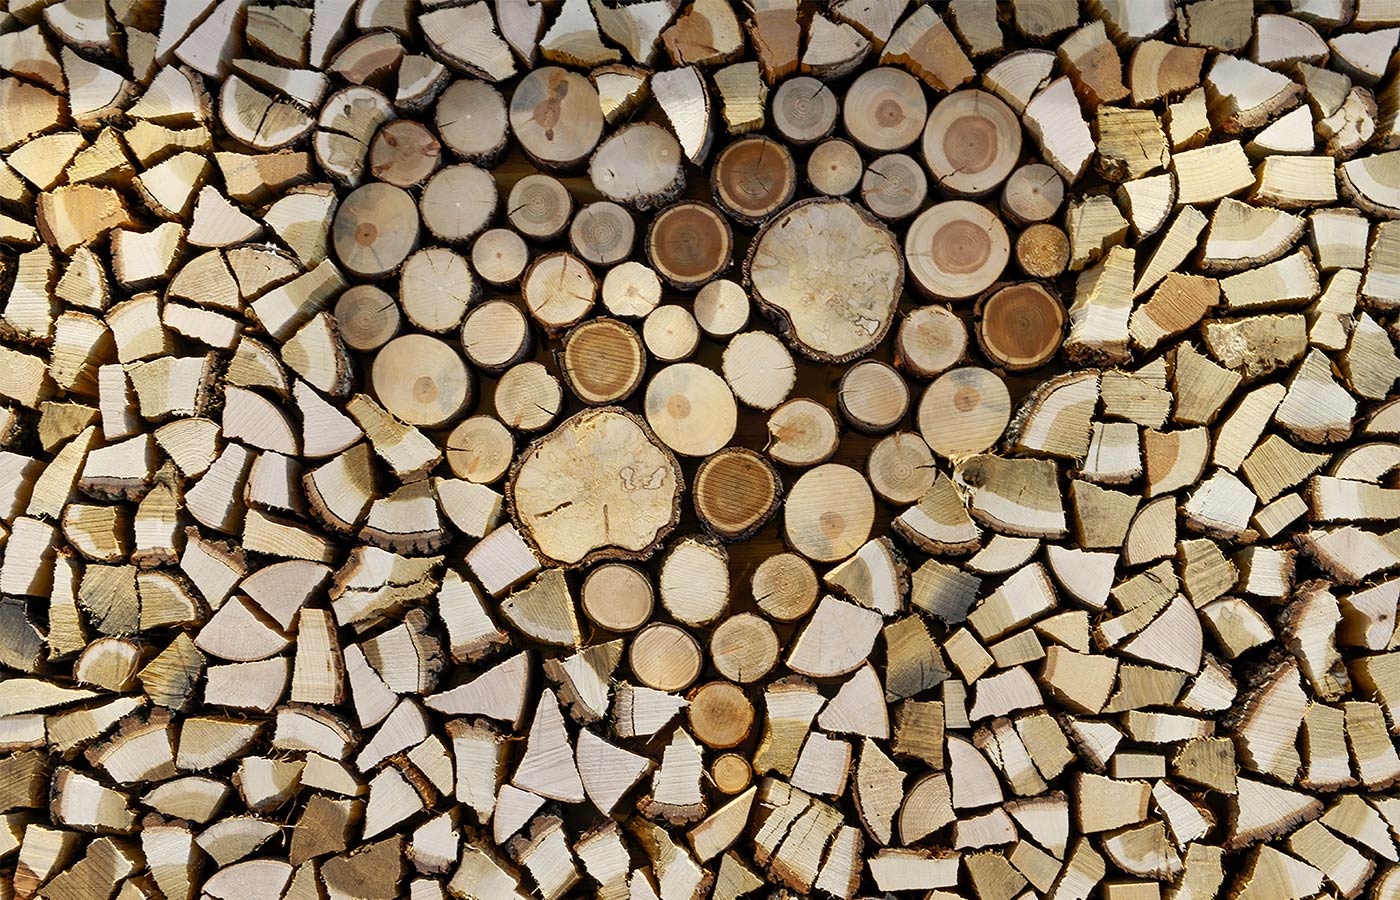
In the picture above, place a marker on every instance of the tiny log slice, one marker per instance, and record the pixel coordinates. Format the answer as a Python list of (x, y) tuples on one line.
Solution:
[(802, 432), (480, 449), (956, 249), (556, 117), (744, 647), (665, 657), (689, 243), (691, 409), (930, 340), (901, 468), (753, 178), (601, 485), (720, 714), (831, 274), (499, 255), (471, 119), (828, 513), (884, 109), (872, 396), (603, 361), (804, 109), (732, 773), (1042, 250), (617, 597), (375, 229), (964, 412), (1020, 326), (972, 141), (539, 206), (894, 187), (403, 153), (736, 492), (785, 587), (1033, 193), (366, 317), (835, 167), (603, 233), (422, 380), (639, 165), (496, 335)]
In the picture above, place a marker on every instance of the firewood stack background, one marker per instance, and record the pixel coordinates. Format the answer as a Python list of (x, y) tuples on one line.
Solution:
[(685, 449)]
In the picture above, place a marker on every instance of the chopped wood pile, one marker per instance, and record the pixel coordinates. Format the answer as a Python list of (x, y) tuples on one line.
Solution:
[(686, 449)]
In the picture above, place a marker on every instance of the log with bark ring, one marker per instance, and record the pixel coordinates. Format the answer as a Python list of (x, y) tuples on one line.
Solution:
[(744, 647), (804, 109), (366, 317), (403, 153), (499, 256), (556, 117), (472, 120), (931, 339), (559, 290), (785, 587), (753, 178), (834, 167), (602, 233), (689, 244), (802, 432), (1033, 193), (459, 202), (736, 491), (603, 361), (1020, 326), (496, 335), (972, 141), (617, 597), (601, 485), (1042, 250), (640, 165), (540, 206), (831, 274), (894, 187), (872, 396), (375, 229), (956, 249), (720, 714)]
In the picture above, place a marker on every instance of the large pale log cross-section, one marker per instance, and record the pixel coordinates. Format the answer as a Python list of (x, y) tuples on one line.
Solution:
[(689, 449)]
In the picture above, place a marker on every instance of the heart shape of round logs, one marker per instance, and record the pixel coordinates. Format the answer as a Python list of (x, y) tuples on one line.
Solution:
[(699, 449)]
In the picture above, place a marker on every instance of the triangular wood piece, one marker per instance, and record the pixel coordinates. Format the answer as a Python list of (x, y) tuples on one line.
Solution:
[(548, 768), (608, 772)]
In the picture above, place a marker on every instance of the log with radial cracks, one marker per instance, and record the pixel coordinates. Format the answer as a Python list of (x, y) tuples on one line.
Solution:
[(601, 485)]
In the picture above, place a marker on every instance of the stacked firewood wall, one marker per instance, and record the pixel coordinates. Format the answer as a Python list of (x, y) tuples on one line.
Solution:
[(685, 449)]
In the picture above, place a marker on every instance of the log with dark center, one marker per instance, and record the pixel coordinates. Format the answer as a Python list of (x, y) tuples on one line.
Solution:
[(1020, 326)]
